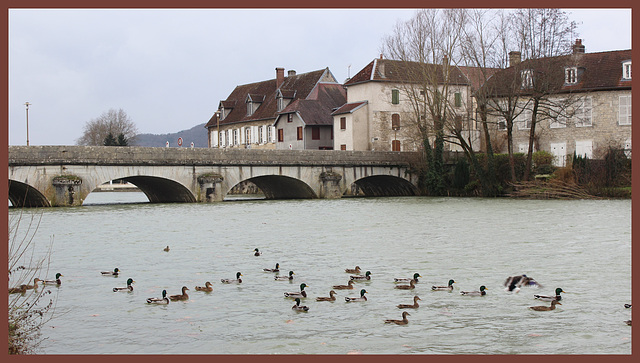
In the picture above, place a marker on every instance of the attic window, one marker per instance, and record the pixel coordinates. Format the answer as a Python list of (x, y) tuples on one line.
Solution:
[(527, 78), (626, 70), (249, 108), (571, 75)]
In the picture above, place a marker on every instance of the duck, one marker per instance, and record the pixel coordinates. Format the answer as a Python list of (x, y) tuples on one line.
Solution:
[(413, 306), (298, 307), (546, 308), (355, 270), (449, 287), (276, 269), (361, 298), (207, 287), (331, 297), (57, 281), (166, 249), (182, 296), (18, 290), (515, 282), (407, 279), (366, 276), (482, 292), (550, 298), (298, 294), (35, 284), (285, 277), (115, 272), (128, 288), (411, 286), (164, 300), (257, 252), (404, 320), (349, 286), (237, 280)]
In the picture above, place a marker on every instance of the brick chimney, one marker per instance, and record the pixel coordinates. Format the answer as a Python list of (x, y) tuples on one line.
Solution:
[(279, 77), (515, 57), (578, 48), (291, 73)]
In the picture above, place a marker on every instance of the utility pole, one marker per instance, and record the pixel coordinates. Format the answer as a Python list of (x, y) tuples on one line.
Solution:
[(27, 104)]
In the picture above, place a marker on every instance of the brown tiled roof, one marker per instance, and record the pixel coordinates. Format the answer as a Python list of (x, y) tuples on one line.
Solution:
[(316, 108), (296, 87), (386, 70), (348, 107), (596, 72)]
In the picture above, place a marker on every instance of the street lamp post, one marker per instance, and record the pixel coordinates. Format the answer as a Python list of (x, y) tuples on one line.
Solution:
[(27, 104)]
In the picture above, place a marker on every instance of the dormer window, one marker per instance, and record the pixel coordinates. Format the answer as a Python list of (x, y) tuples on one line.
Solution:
[(527, 78), (571, 75), (280, 103), (253, 101), (626, 70)]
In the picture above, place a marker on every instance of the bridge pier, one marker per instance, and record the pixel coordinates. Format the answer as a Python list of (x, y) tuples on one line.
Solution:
[(210, 188), (330, 185), (66, 191)]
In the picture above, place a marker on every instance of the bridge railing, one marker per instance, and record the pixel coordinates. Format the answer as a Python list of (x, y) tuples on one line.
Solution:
[(135, 155)]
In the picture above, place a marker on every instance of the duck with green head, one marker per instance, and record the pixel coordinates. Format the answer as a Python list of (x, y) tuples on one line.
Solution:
[(407, 279), (257, 252), (129, 286), (298, 307), (354, 299), (482, 292), (115, 272), (366, 276), (285, 277), (237, 280), (164, 300), (550, 298), (297, 294), (276, 269), (57, 281), (449, 287)]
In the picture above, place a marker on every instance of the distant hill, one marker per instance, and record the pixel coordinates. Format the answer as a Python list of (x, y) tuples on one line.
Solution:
[(196, 134)]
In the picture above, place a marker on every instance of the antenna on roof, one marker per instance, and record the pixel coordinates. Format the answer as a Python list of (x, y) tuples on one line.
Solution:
[(349, 71)]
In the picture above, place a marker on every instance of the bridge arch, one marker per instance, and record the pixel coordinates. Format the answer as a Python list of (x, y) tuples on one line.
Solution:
[(386, 186), (283, 187), (24, 195), (161, 190)]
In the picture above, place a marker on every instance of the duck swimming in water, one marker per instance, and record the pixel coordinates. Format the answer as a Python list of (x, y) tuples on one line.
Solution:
[(332, 297), (208, 287), (482, 292), (412, 306), (407, 279), (257, 252), (57, 281), (449, 287), (411, 286), (276, 269), (182, 296), (129, 287), (164, 300), (352, 270), (404, 320), (349, 286), (361, 298), (557, 297), (115, 272), (298, 307), (285, 277), (546, 308), (298, 294), (18, 289), (35, 284), (366, 276), (237, 280)]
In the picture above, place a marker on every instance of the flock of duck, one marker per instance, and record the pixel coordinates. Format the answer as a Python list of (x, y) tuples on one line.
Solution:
[(512, 283)]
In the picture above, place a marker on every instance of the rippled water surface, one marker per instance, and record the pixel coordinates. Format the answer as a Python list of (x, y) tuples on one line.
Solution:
[(582, 246)]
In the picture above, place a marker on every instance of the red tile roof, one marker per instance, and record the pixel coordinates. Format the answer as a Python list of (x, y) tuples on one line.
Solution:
[(316, 108), (348, 107)]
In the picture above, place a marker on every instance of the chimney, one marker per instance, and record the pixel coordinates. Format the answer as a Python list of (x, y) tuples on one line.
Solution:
[(445, 60), (279, 77), (514, 58), (380, 55), (291, 73), (578, 48)]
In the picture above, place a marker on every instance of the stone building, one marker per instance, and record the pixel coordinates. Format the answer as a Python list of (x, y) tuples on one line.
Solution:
[(588, 108)]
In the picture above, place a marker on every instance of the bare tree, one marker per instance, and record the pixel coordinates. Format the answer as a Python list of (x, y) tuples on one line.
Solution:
[(114, 122)]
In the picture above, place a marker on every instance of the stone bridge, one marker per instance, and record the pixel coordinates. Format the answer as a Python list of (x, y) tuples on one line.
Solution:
[(43, 176)]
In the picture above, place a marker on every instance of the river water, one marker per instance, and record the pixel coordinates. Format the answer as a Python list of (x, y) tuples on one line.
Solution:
[(581, 246)]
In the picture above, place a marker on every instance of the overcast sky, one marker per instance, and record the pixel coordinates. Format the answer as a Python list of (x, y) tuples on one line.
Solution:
[(168, 69)]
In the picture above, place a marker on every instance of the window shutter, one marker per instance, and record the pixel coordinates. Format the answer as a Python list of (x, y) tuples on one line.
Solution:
[(395, 96)]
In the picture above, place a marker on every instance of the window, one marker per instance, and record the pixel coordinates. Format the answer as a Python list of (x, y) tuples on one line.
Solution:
[(583, 113), (624, 110), (395, 145), (584, 148), (626, 70), (249, 108), (627, 148), (280, 103), (220, 139), (458, 123), (524, 120), (270, 133), (395, 121), (343, 147), (523, 148), (527, 78), (571, 75), (280, 135), (289, 117), (299, 132), (235, 137), (261, 134), (558, 117), (457, 99), (502, 125), (343, 123), (247, 136), (315, 133), (395, 96)]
